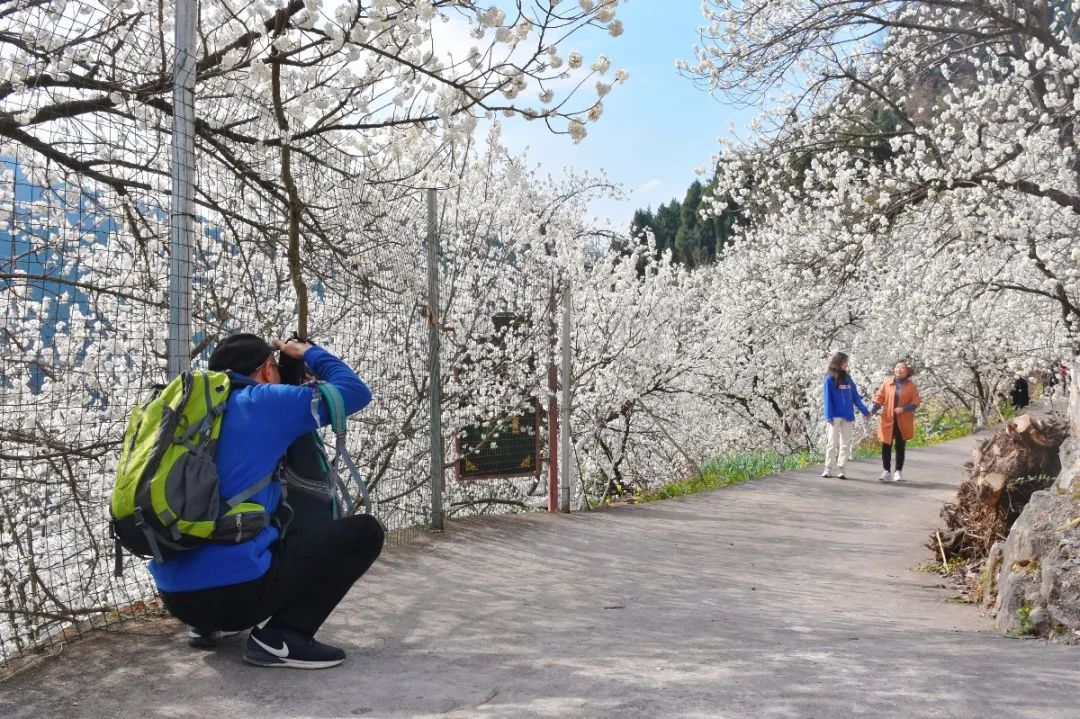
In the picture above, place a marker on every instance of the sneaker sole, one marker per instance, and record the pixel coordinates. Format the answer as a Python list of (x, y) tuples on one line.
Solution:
[(202, 641), (286, 663)]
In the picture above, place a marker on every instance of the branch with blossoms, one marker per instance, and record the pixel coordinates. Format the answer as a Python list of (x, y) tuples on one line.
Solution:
[(953, 117)]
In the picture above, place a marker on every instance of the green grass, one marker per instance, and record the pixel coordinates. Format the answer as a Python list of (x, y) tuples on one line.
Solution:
[(940, 426), (1008, 411), (1027, 627), (946, 425), (935, 567), (728, 470)]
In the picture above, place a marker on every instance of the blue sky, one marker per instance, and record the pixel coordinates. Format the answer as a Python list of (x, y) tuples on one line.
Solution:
[(656, 129)]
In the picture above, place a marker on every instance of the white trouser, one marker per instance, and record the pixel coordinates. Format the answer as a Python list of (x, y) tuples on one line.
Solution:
[(839, 442)]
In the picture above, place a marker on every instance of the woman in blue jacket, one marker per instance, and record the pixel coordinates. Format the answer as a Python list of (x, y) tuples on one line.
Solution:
[(841, 400)]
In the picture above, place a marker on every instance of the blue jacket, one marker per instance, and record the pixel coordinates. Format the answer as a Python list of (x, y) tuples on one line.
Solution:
[(260, 422), (841, 401)]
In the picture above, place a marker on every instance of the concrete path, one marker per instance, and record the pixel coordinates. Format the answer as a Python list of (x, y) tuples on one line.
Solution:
[(792, 596)]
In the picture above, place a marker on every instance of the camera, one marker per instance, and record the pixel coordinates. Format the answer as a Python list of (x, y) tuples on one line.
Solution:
[(294, 371)]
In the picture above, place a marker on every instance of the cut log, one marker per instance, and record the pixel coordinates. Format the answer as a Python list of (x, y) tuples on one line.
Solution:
[(994, 484), (1021, 424)]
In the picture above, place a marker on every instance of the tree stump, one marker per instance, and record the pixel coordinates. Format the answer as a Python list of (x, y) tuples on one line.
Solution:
[(1004, 471)]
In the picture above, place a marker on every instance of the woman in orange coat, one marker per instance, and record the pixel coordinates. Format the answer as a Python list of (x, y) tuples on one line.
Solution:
[(898, 398)]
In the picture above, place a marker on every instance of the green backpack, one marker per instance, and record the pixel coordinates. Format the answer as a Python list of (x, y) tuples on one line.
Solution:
[(166, 498)]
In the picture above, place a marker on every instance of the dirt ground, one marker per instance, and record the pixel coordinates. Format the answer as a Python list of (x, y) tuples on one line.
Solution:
[(793, 596)]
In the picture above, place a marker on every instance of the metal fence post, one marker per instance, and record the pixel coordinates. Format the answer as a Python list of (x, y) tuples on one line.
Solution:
[(434, 374), (553, 403), (564, 409), (182, 202)]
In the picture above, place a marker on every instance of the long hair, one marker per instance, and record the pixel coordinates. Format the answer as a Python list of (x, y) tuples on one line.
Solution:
[(836, 367)]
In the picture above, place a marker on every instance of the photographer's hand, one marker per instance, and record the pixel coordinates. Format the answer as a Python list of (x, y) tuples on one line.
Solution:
[(291, 348)]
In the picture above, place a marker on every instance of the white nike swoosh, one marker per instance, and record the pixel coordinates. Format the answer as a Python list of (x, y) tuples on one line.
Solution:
[(281, 653)]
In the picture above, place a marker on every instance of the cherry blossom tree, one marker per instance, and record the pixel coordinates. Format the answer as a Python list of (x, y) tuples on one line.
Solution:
[(944, 128)]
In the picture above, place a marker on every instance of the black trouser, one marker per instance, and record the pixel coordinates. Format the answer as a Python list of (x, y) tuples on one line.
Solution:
[(886, 449), (311, 570)]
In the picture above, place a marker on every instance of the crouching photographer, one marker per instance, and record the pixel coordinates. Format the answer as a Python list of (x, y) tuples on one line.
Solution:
[(287, 579)]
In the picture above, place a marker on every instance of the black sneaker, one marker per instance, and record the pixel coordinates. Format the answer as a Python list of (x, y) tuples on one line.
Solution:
[(206, 638), (272, 647)]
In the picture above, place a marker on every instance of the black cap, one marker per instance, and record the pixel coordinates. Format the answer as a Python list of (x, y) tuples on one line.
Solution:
[(241, 353)]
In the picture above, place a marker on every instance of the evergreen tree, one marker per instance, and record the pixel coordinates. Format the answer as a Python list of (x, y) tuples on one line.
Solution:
[(666, 226), (679, 227)]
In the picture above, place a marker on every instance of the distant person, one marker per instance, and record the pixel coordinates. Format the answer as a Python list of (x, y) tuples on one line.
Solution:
[(1019, 395), (1050, 379), (897, 400), (841, 398)]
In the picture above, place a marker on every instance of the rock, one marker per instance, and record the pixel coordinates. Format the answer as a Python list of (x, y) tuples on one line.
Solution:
[(1040, 568), (1069, 479), (991, 572)]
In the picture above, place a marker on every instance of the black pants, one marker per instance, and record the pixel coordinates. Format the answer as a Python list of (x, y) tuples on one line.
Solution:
[(311, 570), (886, 449)]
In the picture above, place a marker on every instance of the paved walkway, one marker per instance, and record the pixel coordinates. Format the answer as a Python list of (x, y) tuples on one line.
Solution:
[(792, 596)]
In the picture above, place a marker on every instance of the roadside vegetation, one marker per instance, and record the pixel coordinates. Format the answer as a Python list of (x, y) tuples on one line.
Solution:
[(938, 423)]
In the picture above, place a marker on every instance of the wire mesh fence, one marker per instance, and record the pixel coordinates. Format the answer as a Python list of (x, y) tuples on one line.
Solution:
[(84, 232), (85, 206), (276, 230)]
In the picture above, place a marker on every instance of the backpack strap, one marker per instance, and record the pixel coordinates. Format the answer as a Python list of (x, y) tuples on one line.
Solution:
[(276, 475), (250, 491), (339, 490), (337, 486), (335, 406), (118, 551), (205, 424), (152, 538)]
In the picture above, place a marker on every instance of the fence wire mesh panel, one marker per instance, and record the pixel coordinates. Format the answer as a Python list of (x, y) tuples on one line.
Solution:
[(497, 344), (86, 124), (305, 213), (84, 217)]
